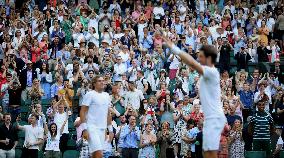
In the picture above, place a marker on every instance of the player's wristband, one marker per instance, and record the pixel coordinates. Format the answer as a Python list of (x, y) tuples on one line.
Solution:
[(176, 50), (110, 128)]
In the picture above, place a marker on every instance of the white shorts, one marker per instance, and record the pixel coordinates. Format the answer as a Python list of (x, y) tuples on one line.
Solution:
[(96, 139), (212, 129)]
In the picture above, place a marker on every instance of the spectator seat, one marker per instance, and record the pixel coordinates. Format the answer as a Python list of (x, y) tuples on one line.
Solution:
[(255, 154), (71, 154)]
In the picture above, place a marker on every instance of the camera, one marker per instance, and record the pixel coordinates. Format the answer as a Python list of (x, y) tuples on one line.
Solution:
[(15, 84)]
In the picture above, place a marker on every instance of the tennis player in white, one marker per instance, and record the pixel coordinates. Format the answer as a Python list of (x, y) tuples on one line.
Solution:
[(210, 94), (95, 115)]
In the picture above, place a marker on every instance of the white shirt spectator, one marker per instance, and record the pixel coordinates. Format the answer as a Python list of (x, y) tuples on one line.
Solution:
[(140, 29), (261, 7), (256, 99), (133, 73), (32, 135), (231, 8), (52, 143), (108, 37), (39, 37), (94, 22), (175, 63), (59, 120), (124, 56), (105, 21), (270, 23), (60, 18), (23, 34), (85, 66), (69, 69), (77, 37), (17, 42), (118, 36), (158, 12), (94, 38), (185, 83), (133, 98), (114, 6), (201, 6), (118, 70)]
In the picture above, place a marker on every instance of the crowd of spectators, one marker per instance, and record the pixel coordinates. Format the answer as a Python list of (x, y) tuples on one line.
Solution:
[(51, 50)]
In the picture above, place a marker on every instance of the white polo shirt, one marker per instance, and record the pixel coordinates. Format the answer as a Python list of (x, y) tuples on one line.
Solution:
[(210, 93), (59, 121), (32, 135), (98, 104)]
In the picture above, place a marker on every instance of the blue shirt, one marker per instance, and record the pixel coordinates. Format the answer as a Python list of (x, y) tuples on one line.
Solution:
[(179, 28), (60, 54), (130, 139), (54, 89), (190, 41), (192, 134), (204, 21), (238, 45), (146, 42), (246, 98)]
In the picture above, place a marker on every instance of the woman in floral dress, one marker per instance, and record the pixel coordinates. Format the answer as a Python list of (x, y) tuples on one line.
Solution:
[(181, 116), (36, 92), (236, 143), (83, 145), (147, 143)]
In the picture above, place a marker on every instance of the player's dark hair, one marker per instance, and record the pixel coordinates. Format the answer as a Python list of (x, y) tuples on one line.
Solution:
[(209, 51), (6, 114)]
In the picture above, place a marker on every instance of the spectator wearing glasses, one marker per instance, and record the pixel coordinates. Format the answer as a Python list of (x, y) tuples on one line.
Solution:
[(17, 40)]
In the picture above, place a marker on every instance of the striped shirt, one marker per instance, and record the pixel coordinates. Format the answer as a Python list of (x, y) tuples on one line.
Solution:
[(261, 125)]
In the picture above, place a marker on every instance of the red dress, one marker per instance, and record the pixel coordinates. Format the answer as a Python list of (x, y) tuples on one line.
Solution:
[(35, 51), (2, 81)]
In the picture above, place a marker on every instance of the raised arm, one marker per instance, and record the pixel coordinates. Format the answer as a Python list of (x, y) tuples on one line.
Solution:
[(62, 128), (185, 57), (18, 126)]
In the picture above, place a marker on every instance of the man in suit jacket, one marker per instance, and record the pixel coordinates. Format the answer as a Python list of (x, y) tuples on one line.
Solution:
[(26, 78)]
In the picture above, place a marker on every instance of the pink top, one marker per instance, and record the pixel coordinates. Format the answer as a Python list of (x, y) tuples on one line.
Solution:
[(135, 15), (148, 12)]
